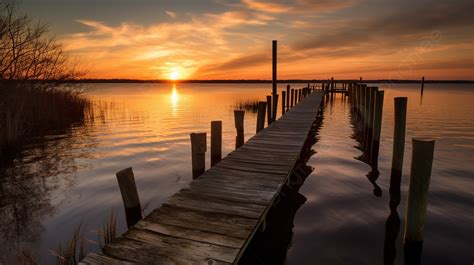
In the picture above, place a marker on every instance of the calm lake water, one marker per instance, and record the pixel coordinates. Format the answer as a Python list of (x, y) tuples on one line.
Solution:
[(66, 179)]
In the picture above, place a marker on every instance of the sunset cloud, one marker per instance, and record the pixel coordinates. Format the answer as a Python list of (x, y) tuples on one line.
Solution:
[(316, 38), (171, 14)]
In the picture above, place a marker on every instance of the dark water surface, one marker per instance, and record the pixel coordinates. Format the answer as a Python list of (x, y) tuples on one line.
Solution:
[(62, 180)]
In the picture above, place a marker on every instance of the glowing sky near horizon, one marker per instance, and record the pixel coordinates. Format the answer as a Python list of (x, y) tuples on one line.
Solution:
[(231, 39)]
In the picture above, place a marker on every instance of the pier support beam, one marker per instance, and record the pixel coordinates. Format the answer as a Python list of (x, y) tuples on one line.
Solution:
[(239, 126), (420, 173), (131, 201), (198, 151), (216, 142)]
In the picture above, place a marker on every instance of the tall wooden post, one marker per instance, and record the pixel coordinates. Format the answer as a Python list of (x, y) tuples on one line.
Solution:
[(422, 84), (398, 149), (275, 105), (262, 107), (377, 110), (292, 98), (216, 142), (274, 78), (269, 110), (198, 151), (131, 201), (371, 113), (283, 100), (420, 174), (287, 96), (239, 126), (332, 83)]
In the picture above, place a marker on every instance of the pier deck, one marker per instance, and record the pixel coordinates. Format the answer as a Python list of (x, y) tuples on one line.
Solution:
[(213, 219)]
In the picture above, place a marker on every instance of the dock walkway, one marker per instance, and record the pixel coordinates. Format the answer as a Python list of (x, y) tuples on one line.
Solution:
[(213, 219)]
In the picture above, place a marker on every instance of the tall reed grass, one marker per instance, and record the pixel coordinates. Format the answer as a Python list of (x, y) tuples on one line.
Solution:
[(247, 105), (28, 111)]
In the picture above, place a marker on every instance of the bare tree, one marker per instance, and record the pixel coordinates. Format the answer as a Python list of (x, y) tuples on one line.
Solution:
[(27, 50)]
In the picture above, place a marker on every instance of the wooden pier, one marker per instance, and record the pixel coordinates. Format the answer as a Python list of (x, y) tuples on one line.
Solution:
[(213, 219)]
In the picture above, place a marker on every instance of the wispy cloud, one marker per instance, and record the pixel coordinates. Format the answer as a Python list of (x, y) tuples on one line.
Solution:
[(171, 14)]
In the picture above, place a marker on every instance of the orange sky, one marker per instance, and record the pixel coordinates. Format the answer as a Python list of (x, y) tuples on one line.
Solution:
[(222, 39)]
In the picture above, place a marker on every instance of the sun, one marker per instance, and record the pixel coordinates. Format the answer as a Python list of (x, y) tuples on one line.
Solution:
[(174, 75)]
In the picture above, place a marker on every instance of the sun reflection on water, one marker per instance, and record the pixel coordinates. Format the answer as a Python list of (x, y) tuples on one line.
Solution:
[(174, 98)]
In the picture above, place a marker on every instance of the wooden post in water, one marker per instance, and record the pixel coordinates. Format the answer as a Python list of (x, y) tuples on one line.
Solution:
[(216, 142), (274, 79), (292, 97), (332, 84), (239, 125), (262, 107), (398, 149), (422, 84), (269, 110), (370, 122), (376, 127), (283, 101), (420, 173), (299, 95), (131, 201), (287, 97), (275, 105), (198, 151)]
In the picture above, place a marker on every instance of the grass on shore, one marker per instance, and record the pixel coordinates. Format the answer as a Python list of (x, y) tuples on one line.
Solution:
[(29, 111)]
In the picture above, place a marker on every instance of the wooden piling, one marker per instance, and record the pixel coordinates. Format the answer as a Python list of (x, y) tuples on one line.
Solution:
[(332, 84), (283, 101), (198, 151), (262, 107), (131, 201), (398, 149), (292, 97), (420, 173), (299, 95), (239, 126), (275, 106), (370, 117), (422, 84), (274, 79), (216, 142), (287, 97), (269, 110), (376, 127)]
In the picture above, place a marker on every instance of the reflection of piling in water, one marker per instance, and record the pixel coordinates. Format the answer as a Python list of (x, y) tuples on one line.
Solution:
[(131, 201), (239, 126), (420, 173), (198, 152), (216, 142), (392, 228)]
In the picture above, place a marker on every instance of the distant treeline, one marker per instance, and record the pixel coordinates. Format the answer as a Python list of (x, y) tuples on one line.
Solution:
[(244, 81)]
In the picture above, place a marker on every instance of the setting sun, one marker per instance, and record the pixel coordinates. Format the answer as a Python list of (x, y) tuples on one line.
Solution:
[(174, 75)]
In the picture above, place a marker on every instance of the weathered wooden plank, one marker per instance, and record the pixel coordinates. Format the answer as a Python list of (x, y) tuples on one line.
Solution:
[(219, 223), (100, 259), (195, 201), (147, 253), (192, 234)]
